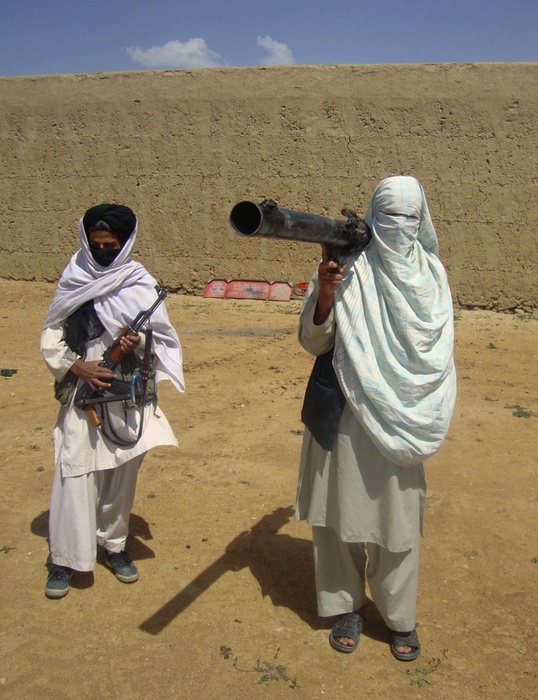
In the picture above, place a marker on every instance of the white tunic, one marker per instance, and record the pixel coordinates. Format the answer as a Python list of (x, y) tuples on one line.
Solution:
[(354, 489), (81, 448)]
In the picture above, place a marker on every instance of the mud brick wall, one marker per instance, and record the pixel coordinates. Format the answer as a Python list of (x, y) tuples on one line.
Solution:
[(182, 147)]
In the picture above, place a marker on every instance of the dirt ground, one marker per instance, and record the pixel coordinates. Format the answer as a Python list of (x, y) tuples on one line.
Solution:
[(225, 605)]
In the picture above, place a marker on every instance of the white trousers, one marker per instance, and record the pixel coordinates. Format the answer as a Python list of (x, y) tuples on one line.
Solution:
[(88, 510), (343, 568)]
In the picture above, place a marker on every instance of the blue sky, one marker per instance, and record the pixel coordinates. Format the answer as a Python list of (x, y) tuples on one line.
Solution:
[(86, 36)]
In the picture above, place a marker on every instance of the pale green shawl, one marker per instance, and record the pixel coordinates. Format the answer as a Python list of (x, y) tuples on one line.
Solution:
[(395, 332)]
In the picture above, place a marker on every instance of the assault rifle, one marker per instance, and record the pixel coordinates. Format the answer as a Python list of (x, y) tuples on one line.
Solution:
[(86, 398)]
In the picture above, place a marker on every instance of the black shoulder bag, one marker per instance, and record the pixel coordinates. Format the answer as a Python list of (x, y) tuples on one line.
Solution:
[(324, 402)]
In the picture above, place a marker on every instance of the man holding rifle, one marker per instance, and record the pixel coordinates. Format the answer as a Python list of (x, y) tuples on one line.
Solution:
[(100, 445)]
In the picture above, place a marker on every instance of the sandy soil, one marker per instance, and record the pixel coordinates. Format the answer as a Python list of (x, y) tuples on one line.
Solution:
[(225, 605)]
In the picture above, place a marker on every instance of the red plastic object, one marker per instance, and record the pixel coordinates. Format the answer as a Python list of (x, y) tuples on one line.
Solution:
[(215, 289), (248, 289), (280, 291)]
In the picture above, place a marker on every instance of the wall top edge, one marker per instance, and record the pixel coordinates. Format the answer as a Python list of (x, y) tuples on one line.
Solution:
[(287, 68)]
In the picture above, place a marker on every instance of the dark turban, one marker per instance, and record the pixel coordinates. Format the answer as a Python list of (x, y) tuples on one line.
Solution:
[(121, 220)]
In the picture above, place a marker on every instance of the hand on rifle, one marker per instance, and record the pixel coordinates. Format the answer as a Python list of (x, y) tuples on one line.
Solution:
[(128, 341), (91, 372), (97, 376), (330, 275)]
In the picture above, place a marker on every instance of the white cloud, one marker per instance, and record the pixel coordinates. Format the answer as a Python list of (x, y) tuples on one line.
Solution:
[(194, 53), (277, 54)]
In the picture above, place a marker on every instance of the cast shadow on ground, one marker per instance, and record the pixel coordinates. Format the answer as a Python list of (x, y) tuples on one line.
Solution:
[(138, 530), (282, 565)]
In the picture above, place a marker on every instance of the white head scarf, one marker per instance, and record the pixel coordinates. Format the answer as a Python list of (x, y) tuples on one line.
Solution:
[(119, 292), (395, 331)]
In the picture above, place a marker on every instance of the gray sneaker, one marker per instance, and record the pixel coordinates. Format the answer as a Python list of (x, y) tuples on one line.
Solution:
[(122, 565), (57, 585)]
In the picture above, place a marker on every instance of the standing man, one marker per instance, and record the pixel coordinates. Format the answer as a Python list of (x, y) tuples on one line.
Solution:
[(386, 315), (100, 292)]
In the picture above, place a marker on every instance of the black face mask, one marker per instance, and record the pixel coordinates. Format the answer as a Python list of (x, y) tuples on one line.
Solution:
[(104, 257)]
